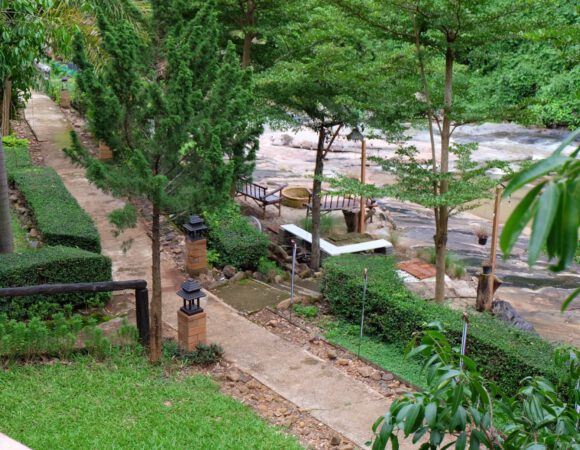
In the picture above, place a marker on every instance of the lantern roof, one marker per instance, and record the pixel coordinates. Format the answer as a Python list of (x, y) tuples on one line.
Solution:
[(196, 223), (190, 290)]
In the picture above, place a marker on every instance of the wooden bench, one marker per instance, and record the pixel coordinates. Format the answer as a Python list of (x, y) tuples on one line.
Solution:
[(377, 246), (260, 194), (329, 203)]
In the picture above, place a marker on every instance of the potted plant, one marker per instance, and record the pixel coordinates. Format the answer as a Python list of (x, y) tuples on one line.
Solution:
[(482, 235)]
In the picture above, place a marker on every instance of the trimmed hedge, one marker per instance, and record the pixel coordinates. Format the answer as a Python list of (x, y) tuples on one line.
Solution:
[(503, 353), (49, 265), (236, 241), (59, 218)]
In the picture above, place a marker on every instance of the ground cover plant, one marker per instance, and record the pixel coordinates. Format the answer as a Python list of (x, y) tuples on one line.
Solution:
[(504, 354), (123, 402), (391, 357), (18, 234)]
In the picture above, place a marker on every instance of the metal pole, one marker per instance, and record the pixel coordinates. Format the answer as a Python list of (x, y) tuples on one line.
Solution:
[(362, 316), (464, 338), (363, 168), (293, 242)]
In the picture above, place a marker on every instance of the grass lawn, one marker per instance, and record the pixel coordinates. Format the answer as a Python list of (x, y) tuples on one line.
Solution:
[(124, 403), (388, 356), (19, 235)]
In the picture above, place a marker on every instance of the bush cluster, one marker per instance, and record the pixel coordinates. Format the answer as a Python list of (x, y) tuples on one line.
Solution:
[(59, 218), (505, 355), (57, 337), (50, 265), (235, 240)]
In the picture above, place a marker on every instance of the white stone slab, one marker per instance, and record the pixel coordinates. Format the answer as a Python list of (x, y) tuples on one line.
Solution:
[(334, 250)]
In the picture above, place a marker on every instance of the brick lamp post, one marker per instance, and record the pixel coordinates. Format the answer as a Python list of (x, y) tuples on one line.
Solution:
[(191, 318), (196, 246)]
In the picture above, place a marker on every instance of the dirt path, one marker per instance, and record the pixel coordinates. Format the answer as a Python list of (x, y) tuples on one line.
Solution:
[(312, 384)]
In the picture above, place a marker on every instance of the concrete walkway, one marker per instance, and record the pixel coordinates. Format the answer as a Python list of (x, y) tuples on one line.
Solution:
[(339, 401)]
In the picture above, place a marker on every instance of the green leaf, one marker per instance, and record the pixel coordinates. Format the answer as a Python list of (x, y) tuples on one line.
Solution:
[(431, 414), (518, 220), (534, 172), (571, 297), (566, 142), (544, 218), (461, 441), (567, 219), (411, 418), (419, 434)]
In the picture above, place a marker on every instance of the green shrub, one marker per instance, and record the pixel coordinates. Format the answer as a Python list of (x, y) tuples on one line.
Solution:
[(59, 218), (50, 265), (58, 337), (270, 268), (36, 337), (235, 240), (505, 354), (203, 355), (309, 311)]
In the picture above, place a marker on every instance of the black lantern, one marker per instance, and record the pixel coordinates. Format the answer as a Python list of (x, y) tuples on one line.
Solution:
[(190, 292), (355, 135), (195, 229), (64, 81)]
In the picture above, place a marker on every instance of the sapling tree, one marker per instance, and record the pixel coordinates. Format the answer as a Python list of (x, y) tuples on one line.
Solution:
[(443, 34), (327, 76), (177, 110)]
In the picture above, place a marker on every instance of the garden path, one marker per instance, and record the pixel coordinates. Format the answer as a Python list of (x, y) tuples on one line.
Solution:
[(341, 402)]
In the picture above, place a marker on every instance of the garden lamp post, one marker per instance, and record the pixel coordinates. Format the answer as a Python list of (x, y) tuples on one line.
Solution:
[(64, 93), (191, 293), (356, 135), (196, 246), (191, 318)]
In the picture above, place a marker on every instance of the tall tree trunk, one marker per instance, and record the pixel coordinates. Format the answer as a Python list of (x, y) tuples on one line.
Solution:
[(442, 224), (6, 102), (250, 21), (6, 244), (316, 190), (156, 308)]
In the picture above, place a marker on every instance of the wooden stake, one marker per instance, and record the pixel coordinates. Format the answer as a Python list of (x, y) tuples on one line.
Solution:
[(493, 255), (363, 170)]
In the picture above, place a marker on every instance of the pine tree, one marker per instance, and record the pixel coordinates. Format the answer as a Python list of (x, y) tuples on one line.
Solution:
[(178, 111)]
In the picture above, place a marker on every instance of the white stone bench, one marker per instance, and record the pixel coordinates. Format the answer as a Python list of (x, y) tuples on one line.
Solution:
[(333, 250)]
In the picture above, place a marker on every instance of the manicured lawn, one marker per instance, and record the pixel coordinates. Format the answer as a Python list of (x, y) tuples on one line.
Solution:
[(125, 403), (388, 356)]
